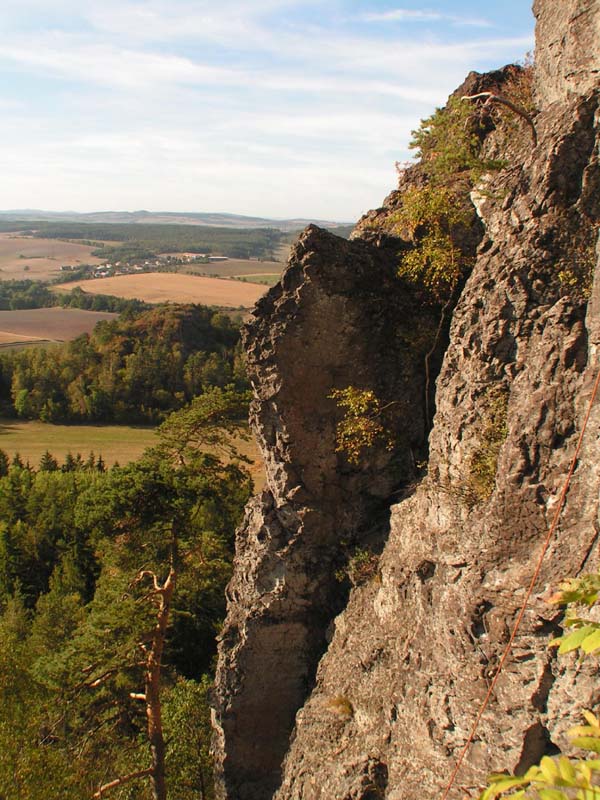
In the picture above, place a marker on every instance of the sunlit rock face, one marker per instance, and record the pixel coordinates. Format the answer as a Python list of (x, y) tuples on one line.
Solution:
[(323, 695), (567, 47)]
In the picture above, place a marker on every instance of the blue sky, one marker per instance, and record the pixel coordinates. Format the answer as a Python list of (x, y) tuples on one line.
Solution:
[(268, 107)]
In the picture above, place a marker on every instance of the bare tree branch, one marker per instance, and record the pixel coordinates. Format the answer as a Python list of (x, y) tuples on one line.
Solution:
[(146, 573), (102, 679), (496, 98), (92, 684), (143, 773)]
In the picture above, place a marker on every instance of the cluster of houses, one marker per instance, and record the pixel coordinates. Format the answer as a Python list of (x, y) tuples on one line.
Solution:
[(122, 268)]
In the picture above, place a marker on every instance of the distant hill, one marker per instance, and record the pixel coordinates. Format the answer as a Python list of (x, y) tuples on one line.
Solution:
[(170, 217)]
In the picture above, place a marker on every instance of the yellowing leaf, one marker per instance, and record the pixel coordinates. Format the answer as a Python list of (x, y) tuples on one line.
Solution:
[(532, 773), (567, 770), (584, 730), (589, 794), (591, 743), (549, 769), (552, 794), (574, 640), (591, 718), (591, 642)]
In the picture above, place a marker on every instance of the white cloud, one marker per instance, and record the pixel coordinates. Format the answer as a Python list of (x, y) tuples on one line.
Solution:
[(244, 105), (80, 57), (410, 15)]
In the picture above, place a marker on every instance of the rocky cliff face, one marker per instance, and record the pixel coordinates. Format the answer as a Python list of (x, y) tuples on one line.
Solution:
[(340, 317), (321, 695), (567, 45)]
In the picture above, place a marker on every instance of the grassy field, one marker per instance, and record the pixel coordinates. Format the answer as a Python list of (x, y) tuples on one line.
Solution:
[(162, 287), (114, 442), (120, 443), (42, 325), (39, 259), (236, 267)]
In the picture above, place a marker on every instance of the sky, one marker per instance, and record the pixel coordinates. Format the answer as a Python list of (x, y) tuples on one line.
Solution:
[(278, 108)]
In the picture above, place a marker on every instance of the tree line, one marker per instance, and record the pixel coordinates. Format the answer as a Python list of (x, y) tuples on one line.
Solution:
[(134, 369), (159, 237), (21, 294)]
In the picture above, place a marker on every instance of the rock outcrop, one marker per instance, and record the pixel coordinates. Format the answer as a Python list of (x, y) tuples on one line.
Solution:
[(567, 46), (340, 317), (321, 696)]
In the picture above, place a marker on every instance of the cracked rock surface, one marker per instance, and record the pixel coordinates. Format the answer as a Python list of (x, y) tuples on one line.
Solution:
[(325, 696)]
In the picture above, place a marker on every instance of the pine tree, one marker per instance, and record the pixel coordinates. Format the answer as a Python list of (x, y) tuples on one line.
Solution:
[(4, 464), (175, 509), (70, 465), (48, 463)]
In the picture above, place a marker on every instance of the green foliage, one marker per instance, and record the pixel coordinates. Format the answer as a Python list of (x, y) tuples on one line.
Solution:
[(161, 238), (125, 252), (188, 728), (576, 270), (361, 567), (22, 294), (564, 777), (211, 422), (449, 145), (554, 779), (483, 464), (77, 610), (584, 633), (48, 463), (341, 706), (518, 89), (434, 218), (133, 369), (361, 426)]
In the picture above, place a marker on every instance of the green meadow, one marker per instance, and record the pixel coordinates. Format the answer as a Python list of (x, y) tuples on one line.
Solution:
[(115, 443), (31, 439)]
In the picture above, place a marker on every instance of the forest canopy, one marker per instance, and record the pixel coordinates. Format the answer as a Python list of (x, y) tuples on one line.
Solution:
[(134, 369), (86, 558)]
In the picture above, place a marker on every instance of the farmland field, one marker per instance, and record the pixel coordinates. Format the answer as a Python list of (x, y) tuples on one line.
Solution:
[(39, 259), (29, 326), (162, 287), (114, 442), (120, 443), (236, 267), (264, 278)]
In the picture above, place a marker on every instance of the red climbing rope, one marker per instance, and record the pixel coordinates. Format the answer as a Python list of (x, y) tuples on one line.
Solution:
[(528, 594)]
